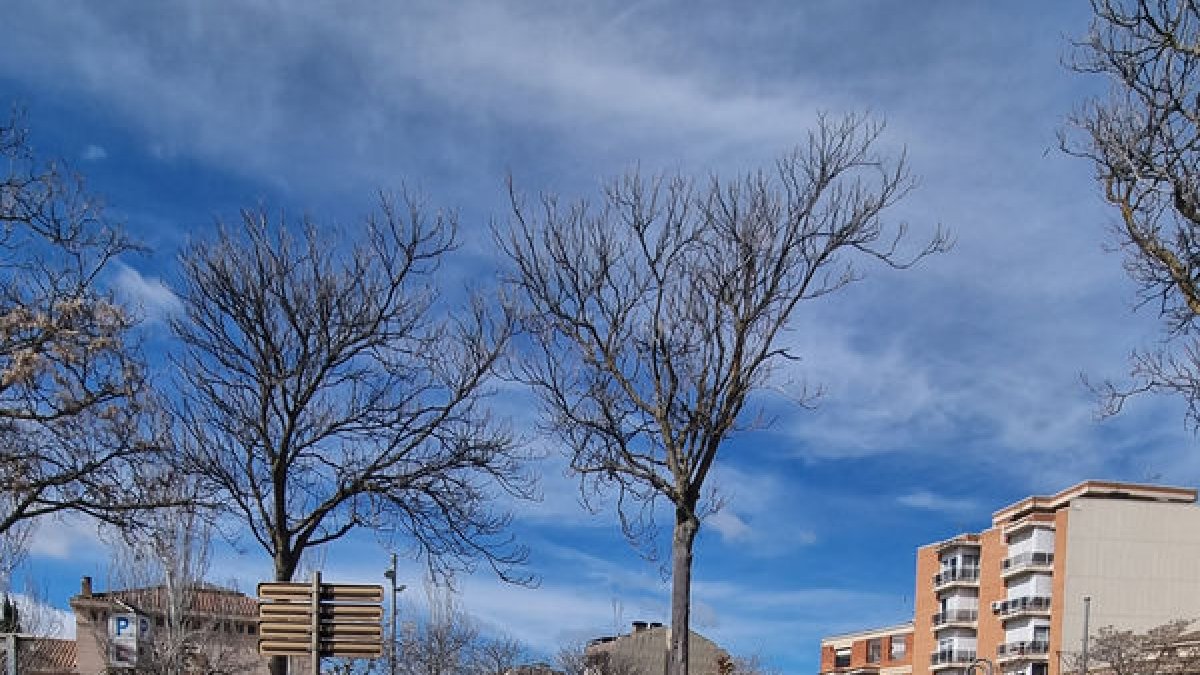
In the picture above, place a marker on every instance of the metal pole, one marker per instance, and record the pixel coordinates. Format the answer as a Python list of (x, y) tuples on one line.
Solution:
[(392, 650), (316, 623), (1087, 610)]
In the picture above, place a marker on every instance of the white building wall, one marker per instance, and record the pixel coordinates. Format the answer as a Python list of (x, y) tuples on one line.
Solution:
[(1043, 540), (961, 598), (1139, 562), (1030, 584)]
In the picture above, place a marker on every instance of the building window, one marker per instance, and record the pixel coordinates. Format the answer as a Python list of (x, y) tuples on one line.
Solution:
[(841, 658), (899, 647), (251, 629), (874, 650)]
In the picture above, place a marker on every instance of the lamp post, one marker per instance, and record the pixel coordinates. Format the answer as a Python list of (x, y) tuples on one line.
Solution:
[(1083, 654), (391, 575)]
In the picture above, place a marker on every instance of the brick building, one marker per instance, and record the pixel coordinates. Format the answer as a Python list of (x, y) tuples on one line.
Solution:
[(881, 651), (1014, 594)]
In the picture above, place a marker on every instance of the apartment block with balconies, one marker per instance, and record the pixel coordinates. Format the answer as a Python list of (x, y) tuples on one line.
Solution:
[(1013, 593)]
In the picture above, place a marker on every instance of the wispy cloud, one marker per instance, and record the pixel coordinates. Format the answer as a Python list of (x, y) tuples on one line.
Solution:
[(928, 501), (94, 153), (65, 537), (150, 294)]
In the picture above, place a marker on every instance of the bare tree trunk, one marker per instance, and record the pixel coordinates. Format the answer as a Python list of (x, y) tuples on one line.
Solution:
[(285, 568), (686, 526)]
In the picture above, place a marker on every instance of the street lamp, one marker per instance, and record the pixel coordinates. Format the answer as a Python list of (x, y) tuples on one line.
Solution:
[(391, 575)]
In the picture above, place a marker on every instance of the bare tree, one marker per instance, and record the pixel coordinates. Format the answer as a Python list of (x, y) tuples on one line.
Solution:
[(323, 389), (497, 655), (73, 433), (1144, 142), (573, 658), (656, 314), (1170, 649), (163, 567)]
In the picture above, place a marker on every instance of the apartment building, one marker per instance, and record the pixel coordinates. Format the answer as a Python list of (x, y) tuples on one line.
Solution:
[(1014, 594), (880, 651)]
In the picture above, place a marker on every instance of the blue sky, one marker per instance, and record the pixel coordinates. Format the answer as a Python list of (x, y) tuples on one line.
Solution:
[(950, 390)]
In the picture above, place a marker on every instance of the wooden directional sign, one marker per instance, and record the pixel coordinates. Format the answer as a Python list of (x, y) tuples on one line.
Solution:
[(300, 592), (295, 611), (346, 619), (363, 649)]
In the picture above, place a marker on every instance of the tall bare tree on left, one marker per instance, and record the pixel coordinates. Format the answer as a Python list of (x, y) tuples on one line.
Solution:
[(326, 385), (74, 404)]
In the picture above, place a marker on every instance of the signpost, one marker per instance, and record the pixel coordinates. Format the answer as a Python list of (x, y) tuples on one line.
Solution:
[(315, 619), (126, 633)]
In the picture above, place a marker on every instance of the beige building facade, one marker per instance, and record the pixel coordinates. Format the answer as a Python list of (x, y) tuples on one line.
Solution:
[(644, 651), (219, 628), (1015, 594)]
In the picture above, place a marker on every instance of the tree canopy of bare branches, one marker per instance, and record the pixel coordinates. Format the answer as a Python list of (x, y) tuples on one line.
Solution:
[(72, 392), (323, 389), (654, 314), (1170, 649), (1144, 142)]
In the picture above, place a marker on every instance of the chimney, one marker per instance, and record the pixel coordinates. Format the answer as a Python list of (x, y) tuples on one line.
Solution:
[(639, 626), (85, 587)]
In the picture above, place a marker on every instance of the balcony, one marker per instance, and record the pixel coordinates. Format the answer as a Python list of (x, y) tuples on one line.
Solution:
[(954, 617), (1029, 604), (1030, 561), (1026, 649), (951, 659), (965, 576)]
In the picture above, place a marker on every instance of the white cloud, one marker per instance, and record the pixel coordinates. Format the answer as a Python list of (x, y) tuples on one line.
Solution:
[(928, 501), (94, 153), (732, 528), (150, 294), (39, 618), (66, 537)]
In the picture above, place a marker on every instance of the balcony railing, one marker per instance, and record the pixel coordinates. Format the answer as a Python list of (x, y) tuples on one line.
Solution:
[(956, 616), (951, 656), (1027, 559), (956, 574), (1028, 603), (1023, 648)]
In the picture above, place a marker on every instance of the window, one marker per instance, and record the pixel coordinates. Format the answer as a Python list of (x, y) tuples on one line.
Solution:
[(899, 648), (842, 658), (1039, 669), (251, 629), (874, 650)]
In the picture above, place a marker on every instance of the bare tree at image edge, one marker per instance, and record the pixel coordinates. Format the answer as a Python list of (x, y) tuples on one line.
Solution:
[(1143, 140), (78, 431), (656, 312), (323, 391)]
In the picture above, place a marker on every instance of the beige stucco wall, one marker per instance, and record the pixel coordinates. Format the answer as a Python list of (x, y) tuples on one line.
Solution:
[(1139, 562)]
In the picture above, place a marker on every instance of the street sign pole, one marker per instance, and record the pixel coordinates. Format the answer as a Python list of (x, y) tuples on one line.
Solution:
[(316, 623)]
